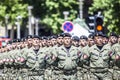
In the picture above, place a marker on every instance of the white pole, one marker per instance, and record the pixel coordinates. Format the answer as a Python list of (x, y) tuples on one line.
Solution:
[(81, 9), (18, 26), (29, 20), (36, 26), (6, 25), (65, 13)]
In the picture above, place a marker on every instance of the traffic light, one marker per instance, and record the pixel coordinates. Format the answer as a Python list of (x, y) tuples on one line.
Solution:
[(91, 23), (99, 24), (95, 23)]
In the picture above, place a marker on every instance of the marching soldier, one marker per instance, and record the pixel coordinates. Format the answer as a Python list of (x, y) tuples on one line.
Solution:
[(59, 40), (91, 40), (99, 56), (75, 41), (66, 57), (35, 60), (84, 48), (105, 39), (116, 49)]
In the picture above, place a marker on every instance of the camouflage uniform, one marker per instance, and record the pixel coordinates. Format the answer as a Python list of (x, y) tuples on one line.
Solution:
[(99, 63), (66, 63)]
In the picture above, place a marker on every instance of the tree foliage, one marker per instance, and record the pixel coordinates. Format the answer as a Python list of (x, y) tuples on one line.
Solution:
[(50, 12), (111, 12), (12, 9)]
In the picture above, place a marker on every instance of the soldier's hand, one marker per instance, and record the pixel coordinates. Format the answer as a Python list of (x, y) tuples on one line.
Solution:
[(85, 56), (117, 57), (53, 57)]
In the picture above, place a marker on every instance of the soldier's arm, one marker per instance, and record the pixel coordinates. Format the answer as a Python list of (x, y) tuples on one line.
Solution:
[(24, 54), (85, 56), (53, 56), (86, 53), (116, 56)]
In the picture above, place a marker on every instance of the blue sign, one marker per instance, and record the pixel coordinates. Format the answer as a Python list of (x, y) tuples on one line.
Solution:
[(67, 26)]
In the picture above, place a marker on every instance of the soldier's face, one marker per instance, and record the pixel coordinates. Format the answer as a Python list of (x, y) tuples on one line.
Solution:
[(44, 42), (36, 41), (90, 41), (99, 40), (105, 40), (25, 43), (53, 41), (83, 42), (75, 43), (119, 39), (9, 46), (13, 45), (29, 41), (49, 42), (113, 39), (18, 44), (60, 40), (67, 40)]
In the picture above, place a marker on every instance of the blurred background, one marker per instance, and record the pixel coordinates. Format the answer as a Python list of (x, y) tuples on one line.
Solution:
[(19, 18)]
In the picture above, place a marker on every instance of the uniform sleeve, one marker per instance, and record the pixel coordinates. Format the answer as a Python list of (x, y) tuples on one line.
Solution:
[(24, 53), (53, 55), (86, 53), (116, 52)]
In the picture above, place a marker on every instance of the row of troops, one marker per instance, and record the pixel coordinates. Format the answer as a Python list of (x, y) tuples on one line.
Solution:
[(61, 57)]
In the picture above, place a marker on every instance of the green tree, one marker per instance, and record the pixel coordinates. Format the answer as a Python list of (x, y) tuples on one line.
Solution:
[(12, 8), (111, 12), (51, 11)]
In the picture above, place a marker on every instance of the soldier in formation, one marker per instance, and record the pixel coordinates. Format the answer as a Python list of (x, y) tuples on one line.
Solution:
[(61, 57)]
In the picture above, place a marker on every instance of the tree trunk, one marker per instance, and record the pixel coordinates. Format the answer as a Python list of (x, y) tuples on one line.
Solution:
[(12, 33)]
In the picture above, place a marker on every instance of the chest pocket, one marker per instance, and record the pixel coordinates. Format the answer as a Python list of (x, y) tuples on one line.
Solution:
[(31, 58), (62, 55), (105, 55), (117, 49), (74, 55), (41, 57), (94, 56)]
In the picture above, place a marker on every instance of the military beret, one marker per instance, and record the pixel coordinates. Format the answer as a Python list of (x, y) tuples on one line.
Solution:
[(35, 36), (29, 36), (104, 35), (83, 37), (43, 37), (67, 35), (60, 35), (113, 34), (14, 40), (91, 36), (99, 34), (119, 36), (40, 38), (23, 39), (9, 42), (49, 38), (54, 36), (75, 38), (18, 40)]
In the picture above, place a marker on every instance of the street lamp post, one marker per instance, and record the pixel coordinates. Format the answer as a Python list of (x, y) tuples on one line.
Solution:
[(18, 26), (6, 25), (36, 26), (81, 9), (65, 13), (30, 15)]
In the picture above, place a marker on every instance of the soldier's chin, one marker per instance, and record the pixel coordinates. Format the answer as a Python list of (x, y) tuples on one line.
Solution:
[(35, 44)]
